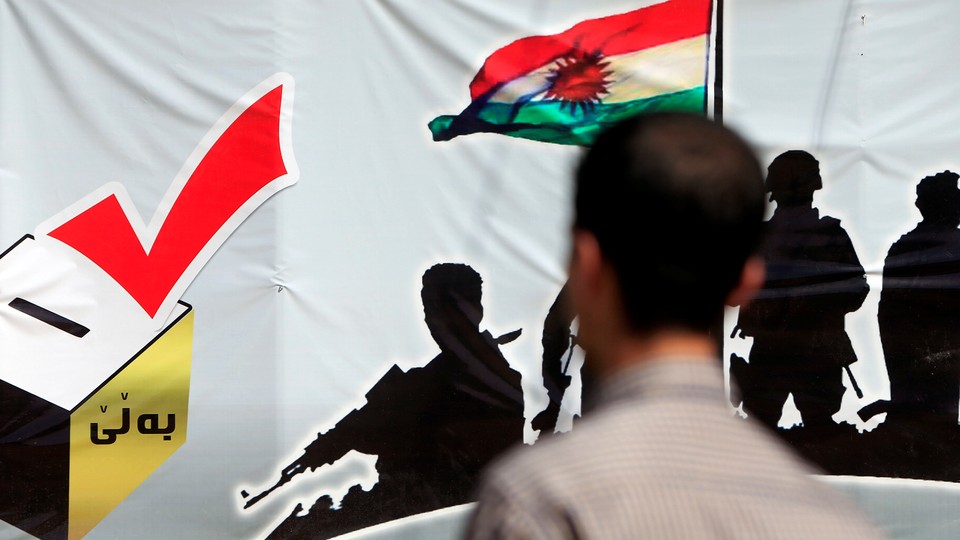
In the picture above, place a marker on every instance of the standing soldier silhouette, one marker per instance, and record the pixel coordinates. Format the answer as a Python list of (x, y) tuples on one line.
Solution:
[(814, 279), (919, 312), (558, 344)]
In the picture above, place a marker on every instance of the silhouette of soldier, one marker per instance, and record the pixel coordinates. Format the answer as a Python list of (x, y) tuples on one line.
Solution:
[(432, 428), (814, 279), (919, 312), (558, 343)]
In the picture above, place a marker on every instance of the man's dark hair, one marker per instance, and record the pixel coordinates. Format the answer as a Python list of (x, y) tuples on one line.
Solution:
[(676, 203)]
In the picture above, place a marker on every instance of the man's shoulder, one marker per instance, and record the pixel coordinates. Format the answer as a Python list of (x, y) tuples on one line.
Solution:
[(603, 449), (657, 449), (605, 474)]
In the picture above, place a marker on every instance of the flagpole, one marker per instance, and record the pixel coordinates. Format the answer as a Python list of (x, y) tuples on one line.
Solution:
[(717, 20), (718, 62)]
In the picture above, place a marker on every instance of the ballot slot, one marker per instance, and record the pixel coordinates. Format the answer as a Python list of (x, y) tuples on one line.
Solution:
[(66, 326)]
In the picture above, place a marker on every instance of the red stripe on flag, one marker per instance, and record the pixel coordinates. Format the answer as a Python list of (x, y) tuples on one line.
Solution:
[(617, 34)]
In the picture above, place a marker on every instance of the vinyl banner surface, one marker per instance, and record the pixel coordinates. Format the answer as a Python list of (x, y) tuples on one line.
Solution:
[(295, 269)]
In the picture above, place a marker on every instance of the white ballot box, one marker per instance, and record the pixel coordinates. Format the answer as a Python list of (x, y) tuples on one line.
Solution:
[(93, 392)]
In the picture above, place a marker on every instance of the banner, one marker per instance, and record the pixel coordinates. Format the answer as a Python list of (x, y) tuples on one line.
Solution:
[(295, 269)]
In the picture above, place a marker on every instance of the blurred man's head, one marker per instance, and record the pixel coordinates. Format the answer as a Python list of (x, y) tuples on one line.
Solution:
[(668, 211)]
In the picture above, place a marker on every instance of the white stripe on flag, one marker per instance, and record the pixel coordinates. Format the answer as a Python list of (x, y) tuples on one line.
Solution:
[(673, 67)]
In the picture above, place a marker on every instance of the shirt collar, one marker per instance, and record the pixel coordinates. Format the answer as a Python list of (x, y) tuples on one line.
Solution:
[(666, 376)]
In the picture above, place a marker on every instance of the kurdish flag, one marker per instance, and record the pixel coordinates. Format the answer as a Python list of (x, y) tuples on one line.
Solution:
[(567, 87)]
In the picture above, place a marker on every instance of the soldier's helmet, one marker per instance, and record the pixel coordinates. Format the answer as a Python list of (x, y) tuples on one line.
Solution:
[(794, 174), (938, 197)]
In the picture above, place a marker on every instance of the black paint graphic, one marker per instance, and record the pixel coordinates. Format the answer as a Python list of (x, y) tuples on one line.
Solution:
[(800, 346), (34, 463), (45, 315), (919, 322), (433, 428), (558, 343), (814, 279), (919, 312)]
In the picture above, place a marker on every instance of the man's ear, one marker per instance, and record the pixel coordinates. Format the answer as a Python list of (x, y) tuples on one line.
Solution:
[(751, 281), (585, 264), (589, 292)]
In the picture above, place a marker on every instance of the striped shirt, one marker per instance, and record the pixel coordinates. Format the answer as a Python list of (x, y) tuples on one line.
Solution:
[(661, 456)]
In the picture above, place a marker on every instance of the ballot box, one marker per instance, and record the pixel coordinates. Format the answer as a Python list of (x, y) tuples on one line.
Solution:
[(93, 391)]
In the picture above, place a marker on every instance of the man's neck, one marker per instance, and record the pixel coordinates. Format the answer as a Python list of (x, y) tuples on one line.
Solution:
[(666, 345)]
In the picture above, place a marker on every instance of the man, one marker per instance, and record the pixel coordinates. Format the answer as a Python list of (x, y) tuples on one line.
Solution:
[(668, 214)]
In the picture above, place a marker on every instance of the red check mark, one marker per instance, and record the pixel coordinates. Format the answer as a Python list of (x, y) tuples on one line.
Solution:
[(241, 169)]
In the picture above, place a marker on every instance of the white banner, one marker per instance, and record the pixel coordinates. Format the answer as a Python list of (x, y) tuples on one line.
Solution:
[(321, 297)]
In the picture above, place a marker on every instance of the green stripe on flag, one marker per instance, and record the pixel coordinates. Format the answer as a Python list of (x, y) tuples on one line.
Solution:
[(557, 122)]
